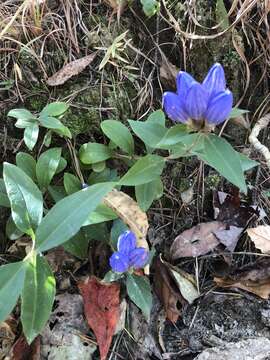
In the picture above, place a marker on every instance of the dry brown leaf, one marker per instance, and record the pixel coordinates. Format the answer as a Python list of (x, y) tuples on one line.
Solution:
[(254, 279), (241, 121), (261, 237), (71, 69), (130, 213), (118, 6), (167, 293), (196, 241), (168, 73)]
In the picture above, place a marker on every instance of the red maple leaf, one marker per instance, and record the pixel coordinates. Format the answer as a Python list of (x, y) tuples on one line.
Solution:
[(101, 308)]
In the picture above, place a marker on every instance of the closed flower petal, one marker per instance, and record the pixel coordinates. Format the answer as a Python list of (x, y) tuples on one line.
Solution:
[(196, 101), (119, 262), (214, 81), (183, 83), (219, 108), (138, 258), (126, 242), (174, 107)]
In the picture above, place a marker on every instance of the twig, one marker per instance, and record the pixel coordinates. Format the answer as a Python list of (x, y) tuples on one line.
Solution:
[(253, 138)]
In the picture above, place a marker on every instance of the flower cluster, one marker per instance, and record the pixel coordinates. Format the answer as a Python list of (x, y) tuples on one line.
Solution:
[(128, 255), (210, 101)]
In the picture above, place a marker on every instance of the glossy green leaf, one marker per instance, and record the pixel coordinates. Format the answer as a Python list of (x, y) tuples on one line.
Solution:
[(105, 175), (219, 154), (55, 109), (77, 245), (66, 217), (147, 193), (47, 165), (31, 135), (25, 198), (112, 276), (71, 183), (11, 283), (27, 163), (12, 232), (37, 297), (145, 170), (119, 134), (91, 153), (23, 124), (50, 122), (139, 291), (22, 114), (4, 200)]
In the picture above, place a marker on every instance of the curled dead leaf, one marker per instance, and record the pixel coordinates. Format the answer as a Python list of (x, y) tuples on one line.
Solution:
[(102, 310), (260, 236), (168, 73), (71, 69), (196, 241)]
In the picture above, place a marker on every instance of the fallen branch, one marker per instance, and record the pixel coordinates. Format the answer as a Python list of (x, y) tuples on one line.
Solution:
[(253, 138)]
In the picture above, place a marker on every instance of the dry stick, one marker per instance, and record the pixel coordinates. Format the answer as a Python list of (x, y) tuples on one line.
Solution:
[(253, 138)]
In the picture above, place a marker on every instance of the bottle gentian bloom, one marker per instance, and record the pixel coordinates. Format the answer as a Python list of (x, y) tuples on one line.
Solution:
[(128, 255), (209, 102)]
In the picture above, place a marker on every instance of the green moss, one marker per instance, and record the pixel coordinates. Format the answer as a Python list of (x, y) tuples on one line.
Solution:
[(212, 181)]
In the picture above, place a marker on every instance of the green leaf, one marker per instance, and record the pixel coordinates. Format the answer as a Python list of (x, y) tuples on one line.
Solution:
[(71, 183), (12, 232), (37, 297), (25, 198), (55, 109), (4, 200), (91, 153), (139, 291), (147, 193), (47, 165), (11, 283), (99, 167), (61, 166), (221, 14), (97, 232), (247, 163), (47, 138), (106, 175), (23, 124), (150, 7), (219, 154), (31, 135), (66, 217), (236, 112), (117, 229), (119, 134), (50, 122), (27, 163), (21, 114), (157, 136), (112, 276), (145, 170), (157, 117), (77, 245), (57, 192), (101, 214)]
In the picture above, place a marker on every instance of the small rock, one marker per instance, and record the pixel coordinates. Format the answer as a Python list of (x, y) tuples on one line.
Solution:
[(250, 349)]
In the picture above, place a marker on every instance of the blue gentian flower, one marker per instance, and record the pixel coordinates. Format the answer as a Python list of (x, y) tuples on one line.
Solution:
[(208, 102), (128, 255)]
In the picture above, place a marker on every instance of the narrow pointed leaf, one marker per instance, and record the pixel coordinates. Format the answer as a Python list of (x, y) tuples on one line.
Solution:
[(31, 135), (47, 165), (37, 297), (66, 218), (27, 163), (119, 134)]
